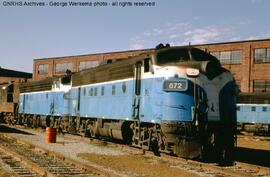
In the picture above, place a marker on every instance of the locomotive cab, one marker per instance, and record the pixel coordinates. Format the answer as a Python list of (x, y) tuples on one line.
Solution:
[(196, 105)]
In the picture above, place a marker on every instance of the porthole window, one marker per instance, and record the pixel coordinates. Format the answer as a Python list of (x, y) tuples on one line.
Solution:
[(113, 89)]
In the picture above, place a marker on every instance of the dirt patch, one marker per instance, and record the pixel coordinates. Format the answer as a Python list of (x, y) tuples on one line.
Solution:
[(137, 165), (253, 142)]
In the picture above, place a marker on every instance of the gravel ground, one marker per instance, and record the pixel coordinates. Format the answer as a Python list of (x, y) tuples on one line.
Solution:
[(66, 146), (4, 170), (102, 156), (117, 162)]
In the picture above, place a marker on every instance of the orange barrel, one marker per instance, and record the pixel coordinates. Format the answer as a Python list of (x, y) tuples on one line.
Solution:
[(51, 135)]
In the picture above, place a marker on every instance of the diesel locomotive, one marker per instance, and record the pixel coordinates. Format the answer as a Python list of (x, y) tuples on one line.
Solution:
[(177, 100)]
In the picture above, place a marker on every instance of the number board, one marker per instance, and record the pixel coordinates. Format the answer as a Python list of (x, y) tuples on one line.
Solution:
[(180, 85)]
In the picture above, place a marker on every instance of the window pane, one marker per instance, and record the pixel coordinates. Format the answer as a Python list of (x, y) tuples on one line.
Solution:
[(63, 67), (88, 64), (43, 69), (225, 57), (267, 59), (259, 55), (259, 86), (267, 86), (215, 54), (236, 57)]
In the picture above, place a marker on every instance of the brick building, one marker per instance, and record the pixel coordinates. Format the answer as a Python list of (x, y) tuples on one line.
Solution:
[(9, 76), (48, 67), (249, 61)]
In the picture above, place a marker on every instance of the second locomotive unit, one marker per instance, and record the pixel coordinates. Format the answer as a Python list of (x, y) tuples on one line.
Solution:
[(171, 99)]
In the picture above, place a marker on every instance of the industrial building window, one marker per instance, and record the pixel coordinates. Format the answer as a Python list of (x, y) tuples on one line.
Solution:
[(264, 109), (261, 85), (228, 57), (88, 64), (43, 69), (253, 108), (63, 67), (262, 55)]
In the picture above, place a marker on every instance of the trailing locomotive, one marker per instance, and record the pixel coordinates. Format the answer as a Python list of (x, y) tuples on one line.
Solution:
[(171, 99)]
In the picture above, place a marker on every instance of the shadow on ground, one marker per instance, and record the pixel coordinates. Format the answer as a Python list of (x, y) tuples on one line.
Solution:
[(253, 156), (5, 129)]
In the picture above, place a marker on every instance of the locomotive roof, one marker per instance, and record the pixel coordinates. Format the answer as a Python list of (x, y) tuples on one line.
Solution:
[(124, 69)]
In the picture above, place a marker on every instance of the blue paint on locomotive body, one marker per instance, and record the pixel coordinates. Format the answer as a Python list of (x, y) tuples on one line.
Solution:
[(253, 113), (114, 100), (165, 105), (106, 100), (44, 103)]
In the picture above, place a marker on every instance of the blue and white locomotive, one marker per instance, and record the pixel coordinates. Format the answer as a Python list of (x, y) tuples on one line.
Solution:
[(171, 99)]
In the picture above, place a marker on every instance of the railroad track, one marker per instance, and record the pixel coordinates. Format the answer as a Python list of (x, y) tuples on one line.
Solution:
[(16, 166), (24, 160), (200, 168)]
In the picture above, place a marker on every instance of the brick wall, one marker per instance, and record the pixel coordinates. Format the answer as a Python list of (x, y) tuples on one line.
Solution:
[(75, 60), (244, 73), (247, 71)]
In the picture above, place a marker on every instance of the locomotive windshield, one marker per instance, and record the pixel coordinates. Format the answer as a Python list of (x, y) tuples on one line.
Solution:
[(175, 55), (172, 56)]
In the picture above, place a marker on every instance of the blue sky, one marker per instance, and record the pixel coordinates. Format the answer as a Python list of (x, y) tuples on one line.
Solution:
[(27, 33)]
